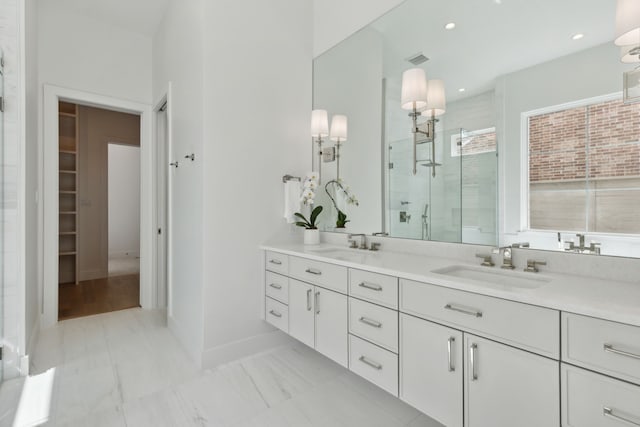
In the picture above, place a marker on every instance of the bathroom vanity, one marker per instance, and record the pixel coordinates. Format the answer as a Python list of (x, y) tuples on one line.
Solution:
[(465, 344)]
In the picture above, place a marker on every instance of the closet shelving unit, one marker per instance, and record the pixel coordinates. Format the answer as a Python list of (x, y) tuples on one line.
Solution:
[(68, 193)]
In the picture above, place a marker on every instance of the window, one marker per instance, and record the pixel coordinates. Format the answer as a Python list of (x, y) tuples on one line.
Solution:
[(584, 168)]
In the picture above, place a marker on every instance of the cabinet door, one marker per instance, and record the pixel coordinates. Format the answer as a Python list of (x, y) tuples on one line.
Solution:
[(301, 315), (507, 387), (331, 325), (431, 369)]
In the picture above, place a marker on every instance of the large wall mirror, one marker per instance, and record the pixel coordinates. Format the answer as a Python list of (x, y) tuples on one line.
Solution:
[(527, 135)]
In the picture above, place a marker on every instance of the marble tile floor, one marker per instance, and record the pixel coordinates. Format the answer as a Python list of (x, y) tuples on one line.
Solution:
[(126, 369)]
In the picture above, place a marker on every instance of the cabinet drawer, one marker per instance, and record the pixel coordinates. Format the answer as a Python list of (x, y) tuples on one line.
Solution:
[(530, 327), (609, 347), (374, 323), (374, 364), (593, 400), (328, 276), (277, 287), (277, 314), (374, 287), (277, 262)]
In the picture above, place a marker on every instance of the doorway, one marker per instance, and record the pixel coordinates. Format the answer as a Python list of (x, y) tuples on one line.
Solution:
[(99, 210), (51, 180)]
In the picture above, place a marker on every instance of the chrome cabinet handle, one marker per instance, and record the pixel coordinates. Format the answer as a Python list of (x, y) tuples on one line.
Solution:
[(450, 342), (370, 322), (370, 286), (275, 313), (470, 312), (610, 349), (472, 361), (275, 261), (309, 299), (312, 271), (367, 361), (608, 412), (276, 286), (317, 302)]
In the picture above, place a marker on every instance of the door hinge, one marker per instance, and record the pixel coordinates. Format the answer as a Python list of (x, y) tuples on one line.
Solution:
[(1, 348), (390, 165), (2, 104), (159, 230)]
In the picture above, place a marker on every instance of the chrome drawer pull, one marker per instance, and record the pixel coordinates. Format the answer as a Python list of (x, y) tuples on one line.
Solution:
[(470, 312), (610, 349), (275, 286), (472, 361), (317, 302), (608, 412), (275, 261), (450, 342), (370, 322), (367, 361), (312, 271), (275, 313), (309, 299), (370, 286)]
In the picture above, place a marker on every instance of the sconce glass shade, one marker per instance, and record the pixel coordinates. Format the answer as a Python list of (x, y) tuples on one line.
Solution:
[(630, 54), (414, 89), (436, 100), (319, 123), (627, 22), (339, 128)]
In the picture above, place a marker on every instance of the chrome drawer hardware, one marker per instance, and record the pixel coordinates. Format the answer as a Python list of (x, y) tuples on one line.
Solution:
[(608, 412), (275, 261), (370, 286), (367, 361), (317, 302), (309, 299), (450, 342), (370, 322), (312, 271), (610, 349), (275, 313), (472, 361), (470, 312), (275, 286)]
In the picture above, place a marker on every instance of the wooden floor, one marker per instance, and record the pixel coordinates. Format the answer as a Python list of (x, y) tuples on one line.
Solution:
[(98, 296)]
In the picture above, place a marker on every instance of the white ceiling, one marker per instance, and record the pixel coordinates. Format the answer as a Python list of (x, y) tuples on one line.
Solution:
[(491, 38), (138, 16)]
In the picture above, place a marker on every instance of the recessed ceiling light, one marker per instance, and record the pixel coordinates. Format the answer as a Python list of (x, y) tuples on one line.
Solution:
[(497, 1), (577, 36), (461, 89), (450, 26)]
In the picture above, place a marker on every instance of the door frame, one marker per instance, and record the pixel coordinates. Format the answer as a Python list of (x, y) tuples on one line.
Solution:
[(165, 98), (49, 149)]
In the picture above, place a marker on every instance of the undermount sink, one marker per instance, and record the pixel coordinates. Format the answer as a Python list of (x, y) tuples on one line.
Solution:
[(505, 279)]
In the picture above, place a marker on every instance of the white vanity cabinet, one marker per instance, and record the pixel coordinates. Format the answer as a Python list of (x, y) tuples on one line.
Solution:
[(431, 369), (505, 386), (318, 318)]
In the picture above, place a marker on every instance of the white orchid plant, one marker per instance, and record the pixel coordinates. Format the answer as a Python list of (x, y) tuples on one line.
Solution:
[(310, 185)]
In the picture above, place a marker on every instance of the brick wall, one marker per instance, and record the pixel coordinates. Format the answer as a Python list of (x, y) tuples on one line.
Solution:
[(558, 143)]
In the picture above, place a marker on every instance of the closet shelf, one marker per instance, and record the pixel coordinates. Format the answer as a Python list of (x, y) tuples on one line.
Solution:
[(71, 172), (67, 152), (67, 253), (63, 114), (67, 233), (68, 213), (67, 192)]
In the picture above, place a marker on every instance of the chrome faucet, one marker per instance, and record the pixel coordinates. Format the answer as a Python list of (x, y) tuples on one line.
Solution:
[(507, 258), (486, 260), (593, 248), (363, 241), (532, 265)]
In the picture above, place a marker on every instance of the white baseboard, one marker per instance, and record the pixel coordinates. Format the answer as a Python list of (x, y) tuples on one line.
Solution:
[(237, 350)]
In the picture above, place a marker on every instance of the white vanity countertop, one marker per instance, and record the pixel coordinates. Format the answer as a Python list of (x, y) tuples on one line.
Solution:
[(611, 300)]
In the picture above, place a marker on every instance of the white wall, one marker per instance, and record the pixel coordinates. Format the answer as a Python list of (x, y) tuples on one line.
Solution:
[(335, 20), (12, 207), (178, 58), (81, 53), (124, 200), (257, 105)]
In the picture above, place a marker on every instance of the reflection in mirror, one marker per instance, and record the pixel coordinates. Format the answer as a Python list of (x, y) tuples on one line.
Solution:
[(537, 83)]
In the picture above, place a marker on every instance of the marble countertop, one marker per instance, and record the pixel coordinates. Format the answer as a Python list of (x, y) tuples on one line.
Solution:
[(611, 300)]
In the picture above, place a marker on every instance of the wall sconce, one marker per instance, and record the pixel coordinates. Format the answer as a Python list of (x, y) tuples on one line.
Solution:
[(627, 23), (339, 135), (426, 98), (319, 130)]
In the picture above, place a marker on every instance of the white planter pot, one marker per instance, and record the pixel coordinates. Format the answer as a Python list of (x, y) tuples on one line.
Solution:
[(312, 237)]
